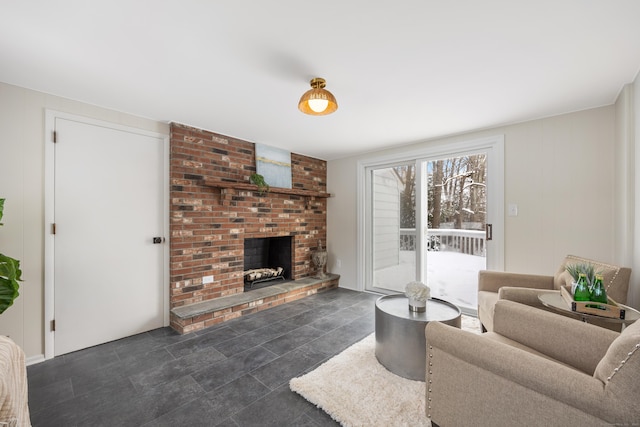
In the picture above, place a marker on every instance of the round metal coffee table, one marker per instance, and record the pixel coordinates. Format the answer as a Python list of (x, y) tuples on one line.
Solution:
[(400, 341)]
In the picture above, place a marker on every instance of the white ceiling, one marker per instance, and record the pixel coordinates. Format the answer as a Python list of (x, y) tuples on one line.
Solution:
[(402, 70)]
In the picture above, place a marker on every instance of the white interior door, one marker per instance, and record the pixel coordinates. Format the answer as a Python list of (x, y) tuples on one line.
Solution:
[(109, 205)]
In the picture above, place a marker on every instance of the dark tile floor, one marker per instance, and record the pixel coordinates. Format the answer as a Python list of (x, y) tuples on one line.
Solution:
[(234, 374)]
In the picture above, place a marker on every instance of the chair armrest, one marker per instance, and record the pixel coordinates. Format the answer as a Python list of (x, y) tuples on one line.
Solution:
[(492, 281), (462, 363), (527, 296), (567, 340)]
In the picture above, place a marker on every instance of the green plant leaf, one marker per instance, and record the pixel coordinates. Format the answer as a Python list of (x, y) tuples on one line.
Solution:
[(258, 180), (10, 274), (587, 268)]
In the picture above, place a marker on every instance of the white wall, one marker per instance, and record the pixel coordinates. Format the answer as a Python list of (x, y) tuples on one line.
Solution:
[(624, 180), (634, 141), (559, 170), (342, 230), (22, 113)]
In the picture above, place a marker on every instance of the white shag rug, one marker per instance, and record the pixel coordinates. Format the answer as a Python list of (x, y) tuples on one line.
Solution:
[(356, 390)]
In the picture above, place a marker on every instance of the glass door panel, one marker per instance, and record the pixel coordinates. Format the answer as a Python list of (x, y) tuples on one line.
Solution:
[(455, 232), (392, 227)]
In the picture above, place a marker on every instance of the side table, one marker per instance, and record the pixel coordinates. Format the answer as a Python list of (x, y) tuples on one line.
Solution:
[(400, 341), (556, 302)]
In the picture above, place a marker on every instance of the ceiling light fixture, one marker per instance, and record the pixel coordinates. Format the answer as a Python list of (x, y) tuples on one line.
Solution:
[(318, 101)]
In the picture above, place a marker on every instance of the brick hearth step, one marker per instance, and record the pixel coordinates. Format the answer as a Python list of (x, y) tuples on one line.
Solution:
[(193, 317)]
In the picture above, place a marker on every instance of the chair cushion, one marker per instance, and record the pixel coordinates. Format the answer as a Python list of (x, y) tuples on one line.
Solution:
[(486, 303), (504, 340)]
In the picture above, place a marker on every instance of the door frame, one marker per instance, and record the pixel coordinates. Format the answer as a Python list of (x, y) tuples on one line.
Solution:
[(493, 145), (49, 217)]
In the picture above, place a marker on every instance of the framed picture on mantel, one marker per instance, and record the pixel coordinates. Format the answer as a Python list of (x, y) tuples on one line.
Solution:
[(274, 164)]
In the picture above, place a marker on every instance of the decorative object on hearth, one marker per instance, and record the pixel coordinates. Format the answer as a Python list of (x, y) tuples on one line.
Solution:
[(418, 294), (319, 259), (318, 101)]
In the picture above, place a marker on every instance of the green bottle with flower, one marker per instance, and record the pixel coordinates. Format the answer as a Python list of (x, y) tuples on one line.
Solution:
[(598, 292), (582, 289)]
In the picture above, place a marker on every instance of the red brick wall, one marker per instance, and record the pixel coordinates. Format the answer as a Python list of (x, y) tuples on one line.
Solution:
[(207, 236)]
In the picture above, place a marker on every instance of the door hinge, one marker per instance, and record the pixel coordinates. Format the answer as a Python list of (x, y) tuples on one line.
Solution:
[(53, 228), (489, 231), (55, 136), (53, 325)]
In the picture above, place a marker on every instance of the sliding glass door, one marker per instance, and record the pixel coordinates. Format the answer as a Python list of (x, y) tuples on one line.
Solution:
[(426, 219)]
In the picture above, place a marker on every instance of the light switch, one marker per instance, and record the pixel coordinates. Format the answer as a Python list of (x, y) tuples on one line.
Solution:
[(513, 209)]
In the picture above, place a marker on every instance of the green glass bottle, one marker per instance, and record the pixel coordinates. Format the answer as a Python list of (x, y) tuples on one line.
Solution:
[(582, 289), (598, 292)]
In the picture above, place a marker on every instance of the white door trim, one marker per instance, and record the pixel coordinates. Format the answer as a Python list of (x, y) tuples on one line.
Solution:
[(493, 144), (49, 210)]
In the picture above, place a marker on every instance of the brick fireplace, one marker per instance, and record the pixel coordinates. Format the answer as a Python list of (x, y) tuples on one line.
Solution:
[(214, 209)]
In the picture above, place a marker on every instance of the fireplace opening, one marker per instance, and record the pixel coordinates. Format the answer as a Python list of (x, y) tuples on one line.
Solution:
[(267, 261)]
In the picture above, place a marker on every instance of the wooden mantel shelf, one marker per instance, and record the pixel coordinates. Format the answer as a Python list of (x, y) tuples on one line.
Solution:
[(244, 186)]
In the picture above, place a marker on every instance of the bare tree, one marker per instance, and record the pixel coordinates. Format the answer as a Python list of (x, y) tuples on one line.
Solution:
[(436, 209), (406, 175), (458, 190)]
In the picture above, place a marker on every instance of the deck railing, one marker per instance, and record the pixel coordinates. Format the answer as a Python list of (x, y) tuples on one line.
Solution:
[(470, 242)]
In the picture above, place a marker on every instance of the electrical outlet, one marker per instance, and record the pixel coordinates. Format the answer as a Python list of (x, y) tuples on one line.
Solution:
[(207, 279), (338, 263)]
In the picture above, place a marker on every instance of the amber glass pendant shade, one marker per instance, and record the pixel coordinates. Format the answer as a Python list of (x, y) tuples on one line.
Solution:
[(318, 101)]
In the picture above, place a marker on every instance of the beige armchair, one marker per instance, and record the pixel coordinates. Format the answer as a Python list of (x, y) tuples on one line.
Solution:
[(535, 369), (525, 288), (14, 396)]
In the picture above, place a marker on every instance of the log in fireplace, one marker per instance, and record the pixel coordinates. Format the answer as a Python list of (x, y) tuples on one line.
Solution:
[(267, 261)]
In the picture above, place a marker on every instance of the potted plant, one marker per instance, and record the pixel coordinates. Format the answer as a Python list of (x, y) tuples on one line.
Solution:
[(10, 275), (585, 268), (258, 180)]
